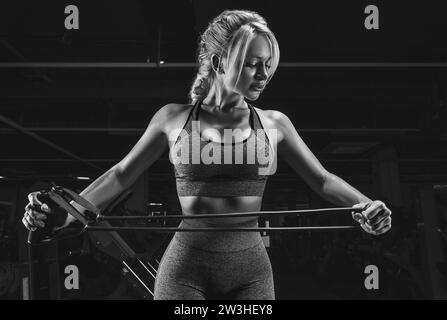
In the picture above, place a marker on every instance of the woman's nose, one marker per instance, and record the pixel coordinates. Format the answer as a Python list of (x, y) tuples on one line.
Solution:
[(261, 73)]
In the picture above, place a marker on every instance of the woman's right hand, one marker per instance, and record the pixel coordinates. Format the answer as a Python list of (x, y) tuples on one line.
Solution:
[(35, 212)]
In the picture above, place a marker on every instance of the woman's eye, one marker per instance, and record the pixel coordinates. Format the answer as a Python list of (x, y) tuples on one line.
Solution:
[(256, 64)]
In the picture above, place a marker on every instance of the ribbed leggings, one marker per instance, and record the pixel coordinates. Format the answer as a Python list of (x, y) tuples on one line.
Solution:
[(215, 265)]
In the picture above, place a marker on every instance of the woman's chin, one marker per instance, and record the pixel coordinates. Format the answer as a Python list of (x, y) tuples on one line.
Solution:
[(253, 95)]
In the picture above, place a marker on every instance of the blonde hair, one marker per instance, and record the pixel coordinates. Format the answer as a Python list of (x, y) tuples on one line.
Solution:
[(228, 35)]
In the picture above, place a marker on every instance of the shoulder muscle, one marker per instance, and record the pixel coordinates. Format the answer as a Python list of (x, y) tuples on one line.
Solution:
[(294, 150)]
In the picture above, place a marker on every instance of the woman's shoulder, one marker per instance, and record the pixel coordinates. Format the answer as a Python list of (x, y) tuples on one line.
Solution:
[(276, 120), (272, 118), (172, 115), (173, 112), (174, 109)]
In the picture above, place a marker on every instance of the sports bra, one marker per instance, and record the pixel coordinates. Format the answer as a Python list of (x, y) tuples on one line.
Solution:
[(216, 169)]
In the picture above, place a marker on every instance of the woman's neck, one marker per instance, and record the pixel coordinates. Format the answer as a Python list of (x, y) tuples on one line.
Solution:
[(224, 101)]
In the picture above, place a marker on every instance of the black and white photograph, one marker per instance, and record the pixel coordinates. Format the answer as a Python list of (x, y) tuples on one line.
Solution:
[(237, 152)]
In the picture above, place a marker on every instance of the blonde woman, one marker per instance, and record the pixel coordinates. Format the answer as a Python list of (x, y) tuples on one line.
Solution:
[(217, 172)]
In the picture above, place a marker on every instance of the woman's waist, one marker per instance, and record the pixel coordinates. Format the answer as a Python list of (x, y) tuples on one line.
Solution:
[(246, 222), (221, 188), (218, 241), (198, 205)]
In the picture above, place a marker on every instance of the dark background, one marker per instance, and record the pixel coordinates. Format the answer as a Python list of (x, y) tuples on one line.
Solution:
[(370, 104)]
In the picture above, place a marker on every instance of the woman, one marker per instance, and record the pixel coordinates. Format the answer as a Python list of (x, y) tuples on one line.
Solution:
[(237, 56)]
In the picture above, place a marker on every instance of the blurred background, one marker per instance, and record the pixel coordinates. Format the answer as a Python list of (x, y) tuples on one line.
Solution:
[(370, 104)]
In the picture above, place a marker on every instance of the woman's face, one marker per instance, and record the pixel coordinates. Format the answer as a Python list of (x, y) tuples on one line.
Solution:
[(255, 69)]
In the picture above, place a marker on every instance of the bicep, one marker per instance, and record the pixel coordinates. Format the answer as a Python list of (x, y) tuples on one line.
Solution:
[(146, 151), (296, 153)]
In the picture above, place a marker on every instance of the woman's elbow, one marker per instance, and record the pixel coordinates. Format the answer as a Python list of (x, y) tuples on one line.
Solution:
[(121, 176), (322, 181)]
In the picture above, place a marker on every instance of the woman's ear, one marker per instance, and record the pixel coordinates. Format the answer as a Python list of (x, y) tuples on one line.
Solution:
[(216, 64)]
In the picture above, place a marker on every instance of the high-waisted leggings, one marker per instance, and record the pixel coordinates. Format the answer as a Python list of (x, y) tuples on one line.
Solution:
[(215, 265)]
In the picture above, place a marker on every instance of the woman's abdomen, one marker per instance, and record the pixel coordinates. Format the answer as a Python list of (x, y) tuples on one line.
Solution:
[(194, 205)]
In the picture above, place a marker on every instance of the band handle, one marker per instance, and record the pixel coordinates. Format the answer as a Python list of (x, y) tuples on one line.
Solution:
[(56, 218)]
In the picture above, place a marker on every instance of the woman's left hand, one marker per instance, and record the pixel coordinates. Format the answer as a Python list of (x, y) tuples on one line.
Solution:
[(375, 217)]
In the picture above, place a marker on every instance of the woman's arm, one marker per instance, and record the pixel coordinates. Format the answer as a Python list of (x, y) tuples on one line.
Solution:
[(296, 153), (122, 175), (375, 217), (339, 192)]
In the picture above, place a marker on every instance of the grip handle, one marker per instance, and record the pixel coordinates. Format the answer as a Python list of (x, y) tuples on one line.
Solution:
[(45, 234)]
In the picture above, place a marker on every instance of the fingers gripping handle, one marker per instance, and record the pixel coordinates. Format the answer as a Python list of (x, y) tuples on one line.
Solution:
[(39, 235), (54, 218)]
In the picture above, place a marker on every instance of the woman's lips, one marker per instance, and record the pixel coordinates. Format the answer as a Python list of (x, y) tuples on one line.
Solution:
[(257, 88)]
